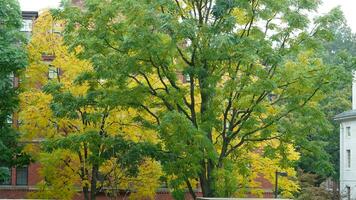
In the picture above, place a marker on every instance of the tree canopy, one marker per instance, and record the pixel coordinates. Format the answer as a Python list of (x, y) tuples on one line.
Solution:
[(216, 79), (85, 138), (323, 158)]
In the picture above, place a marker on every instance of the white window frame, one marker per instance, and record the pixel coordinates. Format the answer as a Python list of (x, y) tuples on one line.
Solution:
[(27, 25), (186, 78), (53, 72), (10, 119)]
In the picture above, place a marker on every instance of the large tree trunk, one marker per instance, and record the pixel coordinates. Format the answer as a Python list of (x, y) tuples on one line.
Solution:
[(86, 193), (83, 176), (207, 180), (207, 95), (94, 179)]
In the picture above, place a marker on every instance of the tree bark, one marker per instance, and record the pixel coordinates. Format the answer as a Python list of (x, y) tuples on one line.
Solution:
[(191, 190), (206, 179), (94, 179), (86, 193), (207, 95), (83, 176)]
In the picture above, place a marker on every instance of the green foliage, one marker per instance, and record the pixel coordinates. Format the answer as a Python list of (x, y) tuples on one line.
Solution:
[(4, 173), (256, 71), (339, 54), (13, 57), (184, 144), (129, 154), (311, 190), (12, 60), (226, 183)]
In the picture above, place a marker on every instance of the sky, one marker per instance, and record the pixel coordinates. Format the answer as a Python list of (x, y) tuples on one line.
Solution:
[(348, 7), (35, 5)]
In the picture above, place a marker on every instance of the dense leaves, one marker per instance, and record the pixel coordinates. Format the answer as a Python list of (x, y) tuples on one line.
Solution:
[(322, 158), (80, 125), (12, 61), (240, 73)]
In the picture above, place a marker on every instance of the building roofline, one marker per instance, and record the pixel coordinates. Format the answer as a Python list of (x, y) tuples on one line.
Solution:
[(29, 14), (351, 114)]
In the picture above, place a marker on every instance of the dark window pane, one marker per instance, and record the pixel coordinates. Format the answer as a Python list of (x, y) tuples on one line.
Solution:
[(348, 131), (21, 176), (348, 152)]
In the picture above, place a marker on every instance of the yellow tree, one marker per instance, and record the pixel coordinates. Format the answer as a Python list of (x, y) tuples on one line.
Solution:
[(245, 174), (84, 134)]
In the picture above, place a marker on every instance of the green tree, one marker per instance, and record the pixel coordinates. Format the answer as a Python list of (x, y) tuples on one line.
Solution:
[(323, 159), (340, 54), (12, 60), (310, 188), (254, 74)]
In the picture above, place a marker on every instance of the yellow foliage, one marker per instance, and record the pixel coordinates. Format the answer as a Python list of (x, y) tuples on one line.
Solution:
[(240, 15), (265, 168), (60, 171), (38, 121), (143, 186)]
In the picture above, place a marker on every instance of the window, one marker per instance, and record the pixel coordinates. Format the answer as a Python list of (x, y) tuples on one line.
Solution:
[(348, 131), (21, 176), (186, 78), (348, 192), (7, 180), (9, 119), (53, 72), (27, 25), (348, 157)]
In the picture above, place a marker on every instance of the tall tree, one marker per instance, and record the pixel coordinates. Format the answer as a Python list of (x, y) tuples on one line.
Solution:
[(86, 134), (12, 61), (340, 54), (253, 73)]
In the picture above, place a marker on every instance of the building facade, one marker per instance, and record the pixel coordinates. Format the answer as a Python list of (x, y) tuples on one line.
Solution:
[(347, 122)]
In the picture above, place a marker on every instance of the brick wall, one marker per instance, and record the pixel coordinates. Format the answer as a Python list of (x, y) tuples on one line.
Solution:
[(13, 192), (18, 192)]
